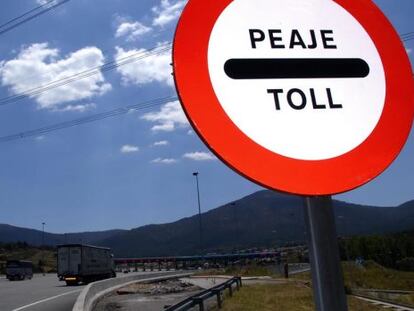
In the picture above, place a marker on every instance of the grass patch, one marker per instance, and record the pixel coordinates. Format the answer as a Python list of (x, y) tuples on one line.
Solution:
[(286, 297), (405, 299), (371, 276), (374, 276)]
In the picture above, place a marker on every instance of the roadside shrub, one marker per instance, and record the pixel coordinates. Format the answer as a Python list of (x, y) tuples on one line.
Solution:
[(406, 264)]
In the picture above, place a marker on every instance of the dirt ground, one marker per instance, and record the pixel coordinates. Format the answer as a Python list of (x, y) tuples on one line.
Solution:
[(148, 297)]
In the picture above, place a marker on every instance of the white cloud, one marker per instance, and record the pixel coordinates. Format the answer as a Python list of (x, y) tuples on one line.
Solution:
[(164, 161), (168, 118), (408, 50), (160, 143), (167, 12), (131, 30), (40, 138), (152, 68), (199, 156), (129, 149), (164, 127), (41, 2), (38, 65), (77, 108)]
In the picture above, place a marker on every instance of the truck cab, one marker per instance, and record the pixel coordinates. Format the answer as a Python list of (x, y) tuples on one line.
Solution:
[(19, 270)]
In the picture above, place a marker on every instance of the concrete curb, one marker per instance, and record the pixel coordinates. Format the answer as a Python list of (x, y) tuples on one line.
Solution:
[(385, 303), (91, 294)]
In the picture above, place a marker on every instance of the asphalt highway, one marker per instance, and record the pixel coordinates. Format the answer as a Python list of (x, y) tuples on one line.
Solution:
[(39, 293), (42, 293)]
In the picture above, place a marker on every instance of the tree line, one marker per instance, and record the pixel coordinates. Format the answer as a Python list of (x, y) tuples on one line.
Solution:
[(394, 251)]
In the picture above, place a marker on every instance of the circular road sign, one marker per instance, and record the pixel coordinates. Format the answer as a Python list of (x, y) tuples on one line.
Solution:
[(310, 97)]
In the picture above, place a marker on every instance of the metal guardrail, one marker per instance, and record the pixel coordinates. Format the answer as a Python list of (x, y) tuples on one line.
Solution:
[(239, 256), (199, 298)]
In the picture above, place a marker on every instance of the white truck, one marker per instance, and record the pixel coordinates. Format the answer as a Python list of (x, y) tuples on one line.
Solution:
[(84, 263)]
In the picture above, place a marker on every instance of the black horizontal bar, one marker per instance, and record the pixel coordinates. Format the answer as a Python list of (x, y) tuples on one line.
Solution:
[(295, 68)]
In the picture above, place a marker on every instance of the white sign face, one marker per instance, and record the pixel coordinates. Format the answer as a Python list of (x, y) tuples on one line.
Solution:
[(303, 85)]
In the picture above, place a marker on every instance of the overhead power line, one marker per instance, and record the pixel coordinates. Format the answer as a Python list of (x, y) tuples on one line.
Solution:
[(85, 74), (105, 67), (88, 119), (104, 52), (29, 15), (407, 34)]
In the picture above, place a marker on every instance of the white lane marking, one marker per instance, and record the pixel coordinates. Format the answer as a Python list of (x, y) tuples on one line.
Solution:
[(46, 299)]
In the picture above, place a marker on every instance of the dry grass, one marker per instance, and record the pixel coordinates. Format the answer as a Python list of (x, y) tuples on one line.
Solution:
[(405, 299), (373, 276), (294, 296), (286, 297), (270, 298)]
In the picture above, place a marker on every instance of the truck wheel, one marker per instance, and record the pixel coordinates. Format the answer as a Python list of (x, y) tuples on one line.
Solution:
[(87, 280)]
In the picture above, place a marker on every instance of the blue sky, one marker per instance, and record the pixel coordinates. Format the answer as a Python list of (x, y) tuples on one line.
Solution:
[(134, 169)]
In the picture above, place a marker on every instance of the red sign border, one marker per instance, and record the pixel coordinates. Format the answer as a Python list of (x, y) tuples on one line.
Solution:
[(269, 169)]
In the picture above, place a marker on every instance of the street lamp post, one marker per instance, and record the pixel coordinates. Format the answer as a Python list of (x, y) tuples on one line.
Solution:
[(199, 213), (43, 244), (43, 233), (236, 224)]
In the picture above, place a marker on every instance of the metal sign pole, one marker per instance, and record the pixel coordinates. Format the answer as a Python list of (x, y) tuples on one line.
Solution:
[(327, 280)]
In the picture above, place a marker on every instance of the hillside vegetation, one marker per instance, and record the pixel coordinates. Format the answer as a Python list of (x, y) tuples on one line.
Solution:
[(265, 219), (42, 258), (393, 251)]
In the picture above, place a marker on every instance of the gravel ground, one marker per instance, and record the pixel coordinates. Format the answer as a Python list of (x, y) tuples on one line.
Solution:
[(148, 297)]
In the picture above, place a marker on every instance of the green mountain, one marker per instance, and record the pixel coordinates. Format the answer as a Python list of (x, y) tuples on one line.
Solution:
[(262, 219), (12, 234)]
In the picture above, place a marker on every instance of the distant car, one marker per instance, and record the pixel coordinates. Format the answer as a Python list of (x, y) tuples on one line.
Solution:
[(19, 270)]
